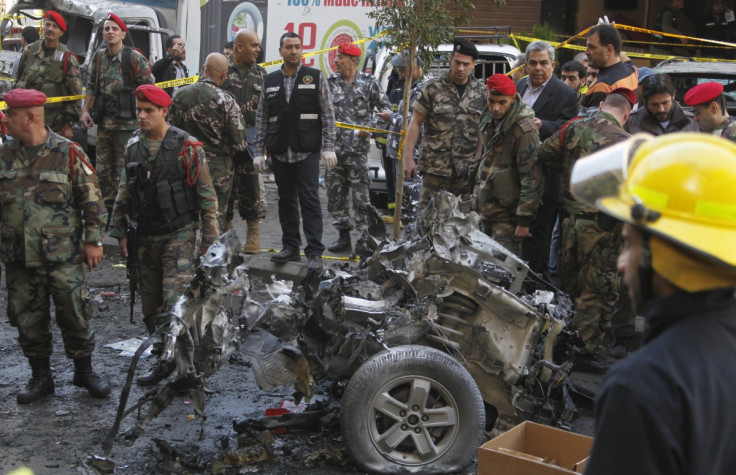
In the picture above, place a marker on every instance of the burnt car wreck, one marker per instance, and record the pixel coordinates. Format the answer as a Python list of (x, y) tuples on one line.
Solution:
[(439, 340)]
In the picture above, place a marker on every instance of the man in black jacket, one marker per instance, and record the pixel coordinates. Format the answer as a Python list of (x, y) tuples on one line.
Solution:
[(171, 66), (554, 104), (666, 409)]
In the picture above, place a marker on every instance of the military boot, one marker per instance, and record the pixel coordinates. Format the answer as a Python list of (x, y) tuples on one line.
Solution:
[(343, 243), (253, 243), (84, 377), (40, 384), (161, 371)]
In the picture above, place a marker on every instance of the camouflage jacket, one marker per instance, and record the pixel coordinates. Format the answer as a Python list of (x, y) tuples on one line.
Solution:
[(510, 178), (576, 139), (193, 160), (111, 83), (50, 204), (354, 104), (36, 71), (726, 129), (210, 114), (245, 84), (397, 120), (451, 125)]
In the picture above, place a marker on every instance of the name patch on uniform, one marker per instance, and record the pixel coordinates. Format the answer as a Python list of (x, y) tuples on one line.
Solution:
[(308, 116), (272, 89), (306, 86)]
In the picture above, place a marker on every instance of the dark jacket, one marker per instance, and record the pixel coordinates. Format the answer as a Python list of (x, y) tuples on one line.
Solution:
[(556, 104), (164, 70), (668, 408), (641, 120)]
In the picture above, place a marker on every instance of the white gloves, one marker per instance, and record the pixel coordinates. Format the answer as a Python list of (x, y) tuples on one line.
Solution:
[(604, 21), (259, 163), (330, 160)]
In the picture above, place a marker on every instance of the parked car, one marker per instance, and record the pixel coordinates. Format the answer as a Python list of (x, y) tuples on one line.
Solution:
[(687, 73)]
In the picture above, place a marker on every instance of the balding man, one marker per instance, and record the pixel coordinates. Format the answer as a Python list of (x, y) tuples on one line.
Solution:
[(245, 81), (52, 215), (212, 115)]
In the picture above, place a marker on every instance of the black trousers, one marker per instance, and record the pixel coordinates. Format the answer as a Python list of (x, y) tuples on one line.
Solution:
[(298, 187), (535, 250)]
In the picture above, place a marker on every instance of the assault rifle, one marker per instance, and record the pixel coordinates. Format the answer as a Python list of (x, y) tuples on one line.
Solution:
[(133, 172)]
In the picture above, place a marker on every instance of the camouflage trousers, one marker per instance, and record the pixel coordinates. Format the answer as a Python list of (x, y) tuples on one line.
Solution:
[(246, 190), (30, 290), (431, 184), (165, 267), (588, 274), (110, 161), (221, 171), (504, 234), (349, 178)]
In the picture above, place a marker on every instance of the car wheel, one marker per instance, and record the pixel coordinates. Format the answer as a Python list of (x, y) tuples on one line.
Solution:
[(412, 409)]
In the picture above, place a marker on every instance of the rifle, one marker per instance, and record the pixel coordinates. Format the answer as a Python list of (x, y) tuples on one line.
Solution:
[(132, 262), (133, 171)]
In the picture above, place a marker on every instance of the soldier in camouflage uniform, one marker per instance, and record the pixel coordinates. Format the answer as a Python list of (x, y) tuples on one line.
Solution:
[(114, 104), (509, 179), (450, 108), (245, 81), (52, 214), (212, 115), (709, 108), (355, 95), (166, 187), (48, 66), (590, 242)]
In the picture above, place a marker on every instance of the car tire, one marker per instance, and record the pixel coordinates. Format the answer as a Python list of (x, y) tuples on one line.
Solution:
[(412, 409)]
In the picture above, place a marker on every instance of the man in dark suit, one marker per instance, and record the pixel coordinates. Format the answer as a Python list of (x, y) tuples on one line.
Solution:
[(554, 104)]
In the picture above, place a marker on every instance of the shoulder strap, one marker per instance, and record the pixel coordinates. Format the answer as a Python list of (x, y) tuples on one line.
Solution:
[(98, 60)]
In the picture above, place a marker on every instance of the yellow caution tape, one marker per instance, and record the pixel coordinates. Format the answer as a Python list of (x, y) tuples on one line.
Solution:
[(177, 82), (344, 125), (315, 53)]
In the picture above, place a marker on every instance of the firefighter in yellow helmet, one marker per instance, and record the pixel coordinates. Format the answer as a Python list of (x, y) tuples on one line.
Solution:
[(667, 409)]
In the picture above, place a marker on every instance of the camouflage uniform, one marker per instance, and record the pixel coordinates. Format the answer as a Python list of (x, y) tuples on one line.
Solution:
[(396, 121), (726, 129), (211, 114), (450, 145), (591, 243), (245, 84), (509, 178), (165, 261), (113, 133), (354, 104), (48, 75), (51, 206)]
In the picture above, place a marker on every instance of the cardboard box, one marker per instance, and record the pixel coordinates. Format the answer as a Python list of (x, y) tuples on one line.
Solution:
[(534, 449)]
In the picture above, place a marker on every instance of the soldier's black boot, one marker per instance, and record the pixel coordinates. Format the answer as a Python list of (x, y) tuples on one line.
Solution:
[(41, 382), (84, 377), (159, 372), (343, 243)]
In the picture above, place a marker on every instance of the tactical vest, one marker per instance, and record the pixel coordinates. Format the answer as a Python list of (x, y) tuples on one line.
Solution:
[(52, 83), (296, 124), (161, 198)]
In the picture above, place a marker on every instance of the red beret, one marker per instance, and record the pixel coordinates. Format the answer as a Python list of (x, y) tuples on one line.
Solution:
[(56, 18), (18, 98), (501, 84), (703, 93), (349, 49), (627, 93), (154, 94), (116, 19)]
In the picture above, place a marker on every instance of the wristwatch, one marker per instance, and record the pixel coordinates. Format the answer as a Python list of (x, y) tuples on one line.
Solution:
[(96, 243)]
